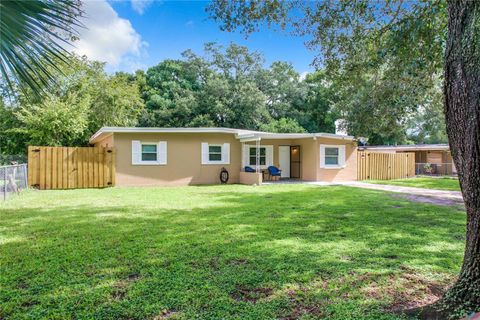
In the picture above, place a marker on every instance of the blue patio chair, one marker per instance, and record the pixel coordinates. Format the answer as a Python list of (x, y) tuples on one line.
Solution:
[(249, 169), (274, 171)]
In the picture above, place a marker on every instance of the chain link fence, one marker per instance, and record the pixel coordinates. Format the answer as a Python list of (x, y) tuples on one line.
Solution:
[(435, 169), (13, 179)]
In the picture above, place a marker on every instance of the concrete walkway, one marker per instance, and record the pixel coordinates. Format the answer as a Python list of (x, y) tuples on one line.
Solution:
[(443, 194)]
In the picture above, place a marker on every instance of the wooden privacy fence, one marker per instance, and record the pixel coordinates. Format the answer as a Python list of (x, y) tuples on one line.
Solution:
[(385, 166), (71, 167)]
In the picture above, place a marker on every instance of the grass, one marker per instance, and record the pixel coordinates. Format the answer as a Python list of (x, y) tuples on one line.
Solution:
[(441, 183), (223, 252)]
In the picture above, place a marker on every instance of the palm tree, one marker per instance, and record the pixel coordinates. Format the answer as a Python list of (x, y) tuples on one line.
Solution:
[(33, 35)]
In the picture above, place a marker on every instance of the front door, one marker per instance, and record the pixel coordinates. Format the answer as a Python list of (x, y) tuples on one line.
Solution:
[(284, 160)]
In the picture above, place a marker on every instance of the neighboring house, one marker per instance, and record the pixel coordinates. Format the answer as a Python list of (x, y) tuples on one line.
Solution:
[(184, 156), (429, 158)]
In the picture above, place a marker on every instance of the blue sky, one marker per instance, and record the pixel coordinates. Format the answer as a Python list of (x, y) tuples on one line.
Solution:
[(137, 34)]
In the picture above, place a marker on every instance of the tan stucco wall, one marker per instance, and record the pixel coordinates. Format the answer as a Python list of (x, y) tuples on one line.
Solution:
[(251, 178), (344, 174), (310, 158), (183, 160), (106, 142)]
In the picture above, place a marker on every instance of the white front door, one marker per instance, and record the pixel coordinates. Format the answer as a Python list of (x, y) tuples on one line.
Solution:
[(284, 160)]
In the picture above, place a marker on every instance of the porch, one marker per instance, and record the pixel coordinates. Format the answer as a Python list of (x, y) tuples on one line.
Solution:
[(270, 160)]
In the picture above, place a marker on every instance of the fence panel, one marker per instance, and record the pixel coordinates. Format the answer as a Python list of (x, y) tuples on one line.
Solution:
[(385, 166), (71, 168), (12, 179)]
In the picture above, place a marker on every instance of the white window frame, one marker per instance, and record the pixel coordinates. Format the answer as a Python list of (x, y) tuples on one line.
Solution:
[(221, 153), (224, 151), (137, 153), (268, 155), (142, 143), (250, 156), (341, 157)]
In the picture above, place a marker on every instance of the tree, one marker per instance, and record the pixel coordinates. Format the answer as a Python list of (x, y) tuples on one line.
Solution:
[(33, 34), (381, 53), (403, 42), (83, 99), (283, 125), (462, 114)]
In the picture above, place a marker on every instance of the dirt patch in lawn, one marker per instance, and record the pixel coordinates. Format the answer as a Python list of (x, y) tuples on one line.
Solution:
[(299, 308), (120, 287), (166, 314), (251, 294), (431, 200), (407, 291)]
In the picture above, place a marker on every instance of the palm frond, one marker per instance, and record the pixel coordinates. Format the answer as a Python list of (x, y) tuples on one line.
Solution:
[(33, 34)]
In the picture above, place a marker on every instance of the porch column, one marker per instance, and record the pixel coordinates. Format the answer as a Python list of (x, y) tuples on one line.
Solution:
[(257, 155), (243, 156)]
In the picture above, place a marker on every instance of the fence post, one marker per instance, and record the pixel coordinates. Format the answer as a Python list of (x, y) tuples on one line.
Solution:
[(5, 183)]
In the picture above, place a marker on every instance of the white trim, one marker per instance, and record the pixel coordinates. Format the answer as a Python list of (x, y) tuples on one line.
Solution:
[(224, 151), (241, 134), (341, 156), (161, 147), (268, 155)]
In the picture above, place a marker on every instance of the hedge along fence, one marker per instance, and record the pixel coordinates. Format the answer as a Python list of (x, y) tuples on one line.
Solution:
[(385, 166), (71, 167)]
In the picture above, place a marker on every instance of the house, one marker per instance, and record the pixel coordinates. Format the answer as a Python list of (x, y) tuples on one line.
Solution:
[(191, 156), (429, 158)]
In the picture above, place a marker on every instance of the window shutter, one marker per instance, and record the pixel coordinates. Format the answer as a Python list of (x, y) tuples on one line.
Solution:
[(269, 155), (246, 155), (162, 152), (204, 153), (136, 152), (226, 153), (322, 156), (341, 156)]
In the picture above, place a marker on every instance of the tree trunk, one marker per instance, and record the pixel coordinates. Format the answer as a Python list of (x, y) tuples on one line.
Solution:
[(462, 112)]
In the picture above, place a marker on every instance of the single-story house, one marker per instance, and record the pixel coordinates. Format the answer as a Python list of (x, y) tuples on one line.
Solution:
[(190, 156), (429, 158)]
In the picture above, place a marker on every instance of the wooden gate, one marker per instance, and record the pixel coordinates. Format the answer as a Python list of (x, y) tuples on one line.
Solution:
[(385, 166), (71, 167)]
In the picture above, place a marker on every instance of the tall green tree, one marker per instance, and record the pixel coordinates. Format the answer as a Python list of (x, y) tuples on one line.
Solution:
[(83, 99), (394, 50), (382, 57)]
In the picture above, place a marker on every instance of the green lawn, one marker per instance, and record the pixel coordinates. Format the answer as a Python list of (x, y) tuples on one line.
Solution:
[(443, 183), (223, 252)]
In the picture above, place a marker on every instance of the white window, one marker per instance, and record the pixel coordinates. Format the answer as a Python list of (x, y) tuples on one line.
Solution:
[(250, 156), (332, 156), (149, 153), (253, 156), (215, 153)]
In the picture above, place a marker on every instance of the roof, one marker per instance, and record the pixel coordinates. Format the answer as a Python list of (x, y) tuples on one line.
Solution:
[(241, 134), (409, 147)]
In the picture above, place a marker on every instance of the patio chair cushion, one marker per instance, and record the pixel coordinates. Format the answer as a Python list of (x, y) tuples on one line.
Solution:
[(274, 171), (249, 169)]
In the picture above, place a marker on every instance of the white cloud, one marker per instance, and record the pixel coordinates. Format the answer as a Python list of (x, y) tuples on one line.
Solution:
[(107, 37), (303, 75), (140, 5), (189, 23)]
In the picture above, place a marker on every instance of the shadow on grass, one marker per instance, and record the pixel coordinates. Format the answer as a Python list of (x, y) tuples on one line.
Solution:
[(281, 251)]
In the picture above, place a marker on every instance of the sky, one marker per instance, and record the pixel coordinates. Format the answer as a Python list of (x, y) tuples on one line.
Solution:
[(135, 34)]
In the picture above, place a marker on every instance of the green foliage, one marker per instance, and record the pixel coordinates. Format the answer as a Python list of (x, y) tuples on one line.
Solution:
[(83, 99), (283, 125), (223, 252), (33, 34), (57, 121), (384, 60)]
